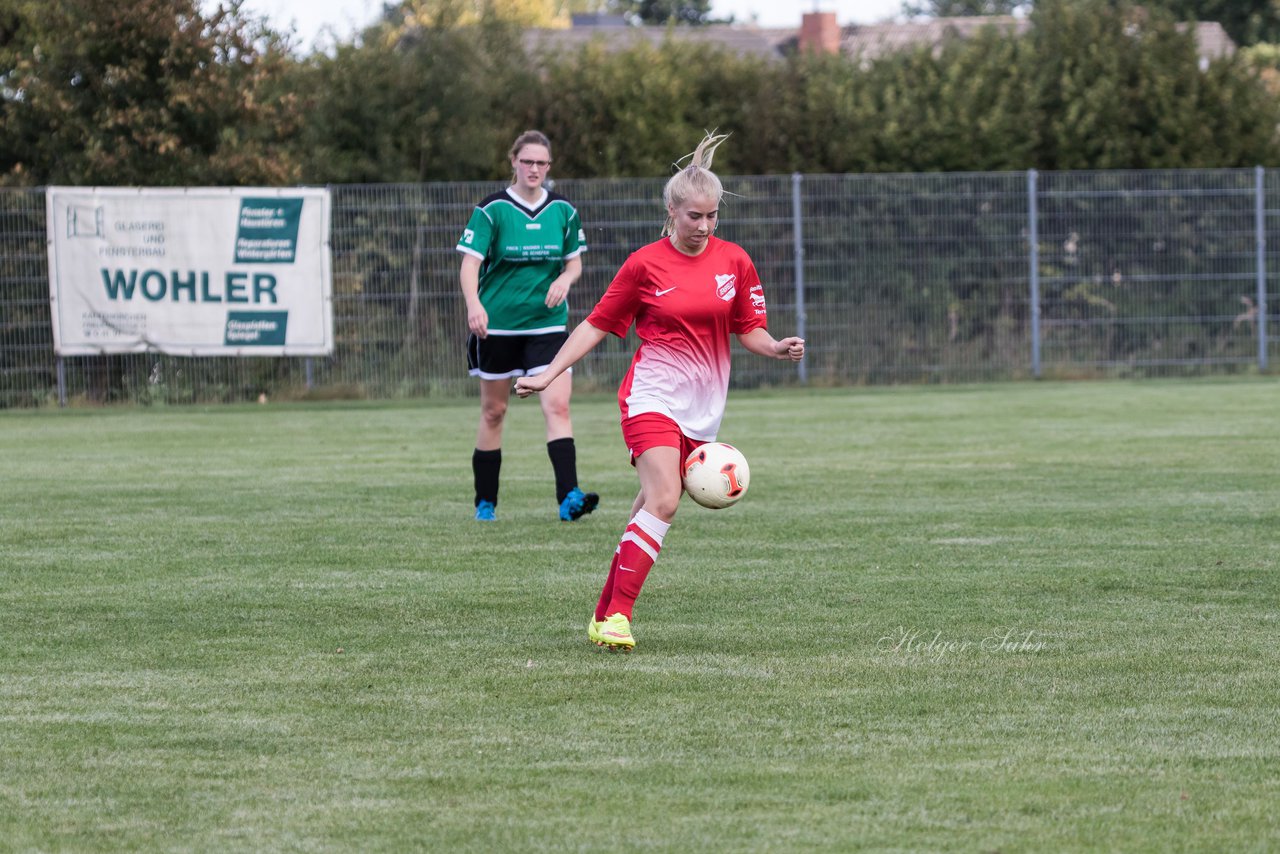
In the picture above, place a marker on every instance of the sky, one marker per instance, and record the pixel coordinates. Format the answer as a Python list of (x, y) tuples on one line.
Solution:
[(311, 18)]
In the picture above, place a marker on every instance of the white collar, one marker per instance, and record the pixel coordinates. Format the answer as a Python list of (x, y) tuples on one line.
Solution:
[(533, 206)]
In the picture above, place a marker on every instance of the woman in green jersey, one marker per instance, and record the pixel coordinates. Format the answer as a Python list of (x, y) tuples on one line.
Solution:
[(521, 253)]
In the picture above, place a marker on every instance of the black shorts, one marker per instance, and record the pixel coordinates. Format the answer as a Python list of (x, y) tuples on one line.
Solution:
[(500, 357)]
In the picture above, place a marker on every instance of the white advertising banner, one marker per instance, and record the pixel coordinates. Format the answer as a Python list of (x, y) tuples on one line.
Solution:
[(205, 271)]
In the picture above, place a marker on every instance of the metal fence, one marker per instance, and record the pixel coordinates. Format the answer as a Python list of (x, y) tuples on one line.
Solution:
[(891, 278)]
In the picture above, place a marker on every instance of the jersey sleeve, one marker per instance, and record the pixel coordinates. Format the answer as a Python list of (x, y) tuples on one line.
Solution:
[(477, 237), (575, 239), (616, 310), (749, 310)]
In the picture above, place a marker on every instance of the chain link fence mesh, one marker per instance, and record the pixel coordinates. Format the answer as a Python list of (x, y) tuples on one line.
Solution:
[(891, 278)]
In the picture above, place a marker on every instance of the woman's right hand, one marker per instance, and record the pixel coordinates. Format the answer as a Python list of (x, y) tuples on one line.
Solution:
[(526, 386)]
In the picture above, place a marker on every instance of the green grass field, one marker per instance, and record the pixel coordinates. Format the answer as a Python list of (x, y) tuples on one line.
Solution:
[(1024, 617)]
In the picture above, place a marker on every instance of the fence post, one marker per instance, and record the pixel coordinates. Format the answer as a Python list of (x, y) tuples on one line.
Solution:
[(797, 230), (1033, 237), (1260, 247), (62, 383)]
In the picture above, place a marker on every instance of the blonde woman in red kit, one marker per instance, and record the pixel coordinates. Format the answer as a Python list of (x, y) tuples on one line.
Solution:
[(686, 294)]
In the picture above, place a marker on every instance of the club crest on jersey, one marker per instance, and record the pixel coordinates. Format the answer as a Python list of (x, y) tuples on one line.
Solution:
[(725, 286)]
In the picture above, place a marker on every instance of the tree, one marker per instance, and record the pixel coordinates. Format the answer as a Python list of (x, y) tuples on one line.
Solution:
[(625, 113), (408, 14), (411, 14), (964, 8), (1246, 21), (144, 92), (969, 106), (666, 11), (413, 103), (1264, 60)]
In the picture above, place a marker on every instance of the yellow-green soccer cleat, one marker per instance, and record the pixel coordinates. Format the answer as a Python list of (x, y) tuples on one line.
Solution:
[(593, 631), (615, 633)]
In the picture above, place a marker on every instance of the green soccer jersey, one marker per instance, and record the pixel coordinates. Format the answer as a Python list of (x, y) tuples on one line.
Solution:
[(522, 250)]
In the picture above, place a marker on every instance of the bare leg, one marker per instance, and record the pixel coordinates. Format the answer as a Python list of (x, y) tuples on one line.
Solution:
[(494, 395), (555, 407), (660, 485)]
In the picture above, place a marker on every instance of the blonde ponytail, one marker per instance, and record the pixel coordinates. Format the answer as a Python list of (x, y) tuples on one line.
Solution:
[(695, 179)]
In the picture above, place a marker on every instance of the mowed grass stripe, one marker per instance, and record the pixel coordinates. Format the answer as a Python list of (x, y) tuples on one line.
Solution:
[(1018, 617)]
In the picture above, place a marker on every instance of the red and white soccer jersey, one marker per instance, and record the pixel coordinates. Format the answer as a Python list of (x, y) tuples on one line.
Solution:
[(685, 308)]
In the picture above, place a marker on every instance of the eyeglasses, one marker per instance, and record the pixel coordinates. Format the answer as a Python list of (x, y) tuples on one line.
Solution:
[(529, 164)]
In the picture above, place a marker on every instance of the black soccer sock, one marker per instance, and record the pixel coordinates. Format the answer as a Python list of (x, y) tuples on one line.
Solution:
[(564, 461), (486, 465)]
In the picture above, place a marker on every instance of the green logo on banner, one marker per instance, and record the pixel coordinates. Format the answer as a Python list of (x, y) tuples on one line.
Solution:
[(268, 232), (256, 328)]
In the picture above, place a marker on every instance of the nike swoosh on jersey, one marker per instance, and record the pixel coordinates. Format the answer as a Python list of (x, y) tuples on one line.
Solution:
[(658, 293)]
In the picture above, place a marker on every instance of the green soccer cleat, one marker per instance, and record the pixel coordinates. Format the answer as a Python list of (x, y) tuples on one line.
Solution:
[(615, 633), (593, 631)]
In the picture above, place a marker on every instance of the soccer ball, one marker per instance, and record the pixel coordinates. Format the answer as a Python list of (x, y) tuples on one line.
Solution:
[(716, 475)]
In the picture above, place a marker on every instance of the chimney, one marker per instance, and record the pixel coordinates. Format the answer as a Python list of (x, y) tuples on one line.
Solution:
[(819, 32)]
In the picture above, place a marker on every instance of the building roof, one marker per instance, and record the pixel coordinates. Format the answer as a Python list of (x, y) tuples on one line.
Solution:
[(867, 41), (873, 41), (870, 42), (1212, 40), (742, 40)]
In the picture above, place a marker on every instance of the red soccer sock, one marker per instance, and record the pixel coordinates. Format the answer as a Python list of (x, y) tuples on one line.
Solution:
[(636, 554), (607, 593)]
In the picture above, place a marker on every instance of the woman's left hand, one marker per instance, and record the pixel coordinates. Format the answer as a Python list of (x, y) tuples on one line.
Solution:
[(790, 348), (556, 293)]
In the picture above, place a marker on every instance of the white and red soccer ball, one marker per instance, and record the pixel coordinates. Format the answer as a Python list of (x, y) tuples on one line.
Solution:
[(716, 475)]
